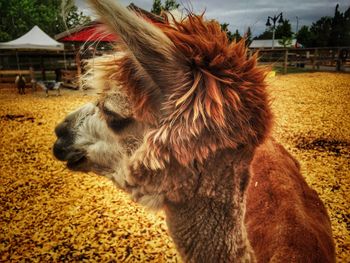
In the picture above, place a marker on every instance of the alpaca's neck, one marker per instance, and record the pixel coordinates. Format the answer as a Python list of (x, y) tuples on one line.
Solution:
[(210, 226)]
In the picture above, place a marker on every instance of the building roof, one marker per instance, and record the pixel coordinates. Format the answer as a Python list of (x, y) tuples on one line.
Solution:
[(267, 43), (35, 39), (90, 32), (93, 31)]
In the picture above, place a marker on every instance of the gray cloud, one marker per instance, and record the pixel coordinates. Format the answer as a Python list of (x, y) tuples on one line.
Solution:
[(248, 13)]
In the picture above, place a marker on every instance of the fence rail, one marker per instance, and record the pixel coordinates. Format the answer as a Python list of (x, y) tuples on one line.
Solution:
[(325, 59)]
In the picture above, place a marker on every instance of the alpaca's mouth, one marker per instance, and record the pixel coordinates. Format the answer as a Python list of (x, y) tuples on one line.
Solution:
[(78, 164)]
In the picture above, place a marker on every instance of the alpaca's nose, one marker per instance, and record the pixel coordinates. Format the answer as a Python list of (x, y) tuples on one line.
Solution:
[(63, 145), (62, 129), (61, 149)]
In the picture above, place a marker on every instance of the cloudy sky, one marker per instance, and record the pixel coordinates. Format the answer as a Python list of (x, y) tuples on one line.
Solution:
[(241, 14)]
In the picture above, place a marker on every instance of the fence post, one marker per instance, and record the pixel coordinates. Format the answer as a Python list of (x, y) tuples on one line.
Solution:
[(338, 61), (78, 63), (32, 78), (250, 53), (315, 56), (285, 61)]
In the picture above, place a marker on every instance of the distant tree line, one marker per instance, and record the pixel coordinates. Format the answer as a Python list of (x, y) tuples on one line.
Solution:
[(168, 5), (236, 36), (52, 16), (325, 32), (55, 16)]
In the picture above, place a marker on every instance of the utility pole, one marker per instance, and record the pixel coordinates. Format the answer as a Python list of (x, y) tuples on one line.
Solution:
[(297, 24), (274, 19)]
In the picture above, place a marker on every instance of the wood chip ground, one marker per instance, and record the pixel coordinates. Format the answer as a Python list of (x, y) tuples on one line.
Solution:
[(49, 214)]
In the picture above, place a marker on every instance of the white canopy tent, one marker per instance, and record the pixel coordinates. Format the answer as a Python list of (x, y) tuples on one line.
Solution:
[(35, 39)]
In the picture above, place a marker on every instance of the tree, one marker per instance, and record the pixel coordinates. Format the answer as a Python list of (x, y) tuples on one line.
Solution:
[(346, 32), (304, 36), (71, 16), (321, 31), (336, 28), (285, 41), (248, 36), (340, 28), (327, 31), (224, 27), (267, 34), (158, 7), (170, 5), (284, 29), (237, 36), (18, 17)]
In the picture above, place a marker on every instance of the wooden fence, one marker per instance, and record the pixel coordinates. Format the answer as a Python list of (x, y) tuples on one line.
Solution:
[(286, 59), (324, 59)]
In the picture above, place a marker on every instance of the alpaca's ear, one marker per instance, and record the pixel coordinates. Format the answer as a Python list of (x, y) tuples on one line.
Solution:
[(153, 52)]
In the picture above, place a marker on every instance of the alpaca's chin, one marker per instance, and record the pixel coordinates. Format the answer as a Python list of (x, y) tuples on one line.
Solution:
[(81, 164)]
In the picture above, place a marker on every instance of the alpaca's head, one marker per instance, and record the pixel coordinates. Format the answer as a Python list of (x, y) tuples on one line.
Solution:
[(182, 87), (99, 137)]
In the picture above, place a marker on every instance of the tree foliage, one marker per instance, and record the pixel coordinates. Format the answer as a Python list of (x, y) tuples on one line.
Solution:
[(156, 7), (267, 34), (237, 36), (304, 36), (248, 36), (168, 5), (224, 27), (18, 17), (286, 41), (71, 16), (340, 28), (321, 32), (327, 31), (283, 29)]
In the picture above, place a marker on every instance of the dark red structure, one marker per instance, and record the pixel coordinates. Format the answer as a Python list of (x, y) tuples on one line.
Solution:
[(94, 32), (90, 33), (87, 41)]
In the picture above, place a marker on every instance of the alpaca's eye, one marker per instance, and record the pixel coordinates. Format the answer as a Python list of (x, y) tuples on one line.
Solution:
[(116, 122), (118, 125)]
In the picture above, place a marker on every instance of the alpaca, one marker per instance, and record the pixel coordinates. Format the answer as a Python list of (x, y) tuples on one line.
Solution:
[(183, 124), (20, 83), (50, 85)]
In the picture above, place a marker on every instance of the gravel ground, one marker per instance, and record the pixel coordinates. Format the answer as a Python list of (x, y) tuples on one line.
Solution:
[(49, 214)]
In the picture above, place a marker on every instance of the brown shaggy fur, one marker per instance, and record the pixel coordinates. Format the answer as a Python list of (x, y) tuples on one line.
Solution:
[(209, 120), (284, 212)]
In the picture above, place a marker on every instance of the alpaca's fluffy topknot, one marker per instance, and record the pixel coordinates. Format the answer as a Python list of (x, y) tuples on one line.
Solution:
[(208, 48), (225, 103)]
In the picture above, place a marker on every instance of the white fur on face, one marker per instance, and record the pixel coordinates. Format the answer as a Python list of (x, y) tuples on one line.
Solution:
[(106, 152)]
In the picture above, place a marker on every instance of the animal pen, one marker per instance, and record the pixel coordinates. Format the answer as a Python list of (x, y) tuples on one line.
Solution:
[(85, 213), (306, 59)]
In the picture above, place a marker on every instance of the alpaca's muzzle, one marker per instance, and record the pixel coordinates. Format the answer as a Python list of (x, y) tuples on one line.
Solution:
[(64, 149)]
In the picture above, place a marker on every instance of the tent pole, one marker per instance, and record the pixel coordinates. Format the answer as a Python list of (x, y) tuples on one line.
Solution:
[(65, 61), (18, 67), (78, 62)]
